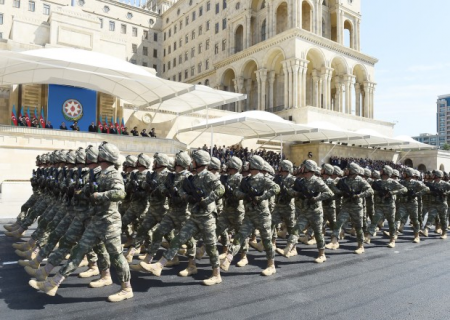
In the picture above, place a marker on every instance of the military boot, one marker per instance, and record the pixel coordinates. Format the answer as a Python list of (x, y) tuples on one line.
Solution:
[(224, 253), (312, 241), (90, 272), (444, 235), (18, 233), (360, 249), (400, 228), (29, 255), (165, 244), (11, 227), (321, 258), (128, 243), (215, 278), (225, 264), (40, 274), (49, 286), (200, 252), (244, 261), (190, 270), (342, 235), (391, 243), (289, 251), (282, 233), (130, 254), (270, 270), (34, 263), (425, 232), (154, 268), (367, 238), (105, 280), (174, 262), (84, 262), (416, 238), (333, 245), (438, 229), (126, 292), (24, 246)]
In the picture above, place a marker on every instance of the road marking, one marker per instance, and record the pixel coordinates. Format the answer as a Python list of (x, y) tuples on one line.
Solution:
[(9, 262), (2, 235), (396, 251)]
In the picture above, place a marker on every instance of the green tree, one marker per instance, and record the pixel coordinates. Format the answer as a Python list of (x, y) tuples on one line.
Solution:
[(446, 146)]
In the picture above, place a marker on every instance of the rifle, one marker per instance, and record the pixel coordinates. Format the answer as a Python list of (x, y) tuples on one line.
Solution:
[(435, 191), (228, 189), (383, 192), (150, 182), (305, 194), (251, 192), (195, 194), (283, 196), (170, 185), (347, 191), (70, 185), (411, 195), (93, 185)]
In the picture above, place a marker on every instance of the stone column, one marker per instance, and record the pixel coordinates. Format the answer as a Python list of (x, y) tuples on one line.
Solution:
[(290, 89), (372, 89), (339, 23), (258, 83), (357, 99), (319, 17), (239, 87), (295, 83), (348, 79), (326, 89), (262, 92), (320, 93), (337, 97), (366, 109), (315, 89), (247, 31), (358, 35), (303, 71), (248, 90), (271, 83), (286, 85)]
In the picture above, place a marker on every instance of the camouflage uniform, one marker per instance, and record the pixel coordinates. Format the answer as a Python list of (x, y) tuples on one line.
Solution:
[(284, 210), (438, 203)]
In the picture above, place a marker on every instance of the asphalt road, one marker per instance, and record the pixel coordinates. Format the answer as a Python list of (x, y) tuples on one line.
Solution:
[(408, 282)]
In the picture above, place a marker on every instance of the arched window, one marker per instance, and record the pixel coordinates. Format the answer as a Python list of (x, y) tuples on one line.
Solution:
[(207, 82), (263, 31), (239, 39)]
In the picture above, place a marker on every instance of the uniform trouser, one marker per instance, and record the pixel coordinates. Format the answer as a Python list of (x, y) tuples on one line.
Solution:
[(283, 213), (355, 214), (98, 231), (35, 212), (57, 233), (27, 205), (410, 209), (314, 219), (134, 212), (438, 210), (123, 207), (254, 220), (147, 224), (169, 223), (230, 221), (204, 225), (329, 214), (41, 234), (45, 219), (384, 212), (70, 239)]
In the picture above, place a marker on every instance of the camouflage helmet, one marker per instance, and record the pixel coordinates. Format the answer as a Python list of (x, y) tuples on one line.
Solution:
[(268, 168), (60, 156), (201, 157), (171, 165), (256, 163), (286, 165), (387, 170), (109, 152), (38, 159), (376, 174), (354, 168), (234, 163), (144, 160), (81, 156), (367, 172), (438, 174), (130, 161), (44, 158), (309, 166), (71, 157), (183, 159), (328, 169), (161, 159), (410, 172), (214, 164), (416, 173), (338, 171), (395, 173), (245, 166), (91, 154)]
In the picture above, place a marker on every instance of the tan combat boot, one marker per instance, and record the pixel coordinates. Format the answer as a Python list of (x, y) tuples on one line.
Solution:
[(49, 286), (190, 270), (312, 241), (416, 238), (126, 292), (224, 253), (215, 278), (225, 264), (11, 227), (105, 280), (18, 233), (391, 243), (342, 235), (29, 255), (244, 261), (84, 262), (360, 249), (444, 235), (174, 262), (333, 245), (289, 251), (425, 232), (154, 268), (130, 254), (367, 238), (40, 274), (270, 270), (23, 246), (400, 228), (321, 258), (282, 233), (90, 272)]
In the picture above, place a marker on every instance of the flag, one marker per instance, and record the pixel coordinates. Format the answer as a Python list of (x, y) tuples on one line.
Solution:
[(13, 116), (41, 118), (123, 125), (118, 127), (27, 117), (112, 122), (21, 112), (100, 126), (105, 125), (35, 112)]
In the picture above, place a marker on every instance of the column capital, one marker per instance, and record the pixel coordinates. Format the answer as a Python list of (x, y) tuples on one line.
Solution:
[(262, 74), (327, 71), (271, 76)]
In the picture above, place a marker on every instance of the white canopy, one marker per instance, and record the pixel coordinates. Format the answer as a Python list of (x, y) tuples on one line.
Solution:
[(260, 124), (103, 73)]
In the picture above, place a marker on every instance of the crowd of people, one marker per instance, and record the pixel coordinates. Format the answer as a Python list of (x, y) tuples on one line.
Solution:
[(342, 163), (224, 154)]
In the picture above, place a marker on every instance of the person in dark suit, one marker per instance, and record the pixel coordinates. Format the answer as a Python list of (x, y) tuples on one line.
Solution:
[(63, 126), (152, 133), (135, 132), (112, 129), (92, 127), (125, 132), (144, 133), (74, 126), (48, 125)]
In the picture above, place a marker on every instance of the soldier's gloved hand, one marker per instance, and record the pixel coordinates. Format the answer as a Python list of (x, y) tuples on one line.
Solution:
[(257, 199), (312, 201), (93, 198), (203, 204), (356, 196)]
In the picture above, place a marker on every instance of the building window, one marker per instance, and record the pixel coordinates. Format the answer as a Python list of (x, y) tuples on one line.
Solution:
[(155, 53), (170, 49), (224, 45), (200, 48), (174, 46), (181, 24), (145, 51), (224, 24), (179, 76), (164, 36), (199, 68), (16, 3), (207, 64), (208, 6), (174, 62), (192, 52), (155, 37), (180, 43), (193, 35), (1, 18), (187, 20), (180, 59), (207, 44), (217, 28), (134, 48), (217, 8), (208, 25), (155, 67), (112, 26), (2, 1), (200, 11), (200, 30), (170, 33), (129, 15), (31, 6), (134, 32), (216, 48), (123, 28), (164, 52), (186, 56), (168, 66), (192, 71), (101, 23), (46, 9), (224, 4), (175, 29), (164, 68), (144, 64), (133, 61), (186, 39), (106, 9), (185, 74), (194, 15)]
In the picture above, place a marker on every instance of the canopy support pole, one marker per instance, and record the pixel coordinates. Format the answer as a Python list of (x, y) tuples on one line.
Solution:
[(323, 159), (400, 160)]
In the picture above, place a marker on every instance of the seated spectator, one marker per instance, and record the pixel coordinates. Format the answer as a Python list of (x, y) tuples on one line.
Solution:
[(35, 123), (112, 129), (48, 125), (62, 126), (92, 127), (152, 133), (135, 132), (21, 122), (105, 129), (125, 132), (74, 126), (144, 133)]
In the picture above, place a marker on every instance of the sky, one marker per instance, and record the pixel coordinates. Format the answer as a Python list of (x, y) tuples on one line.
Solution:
[(409, 38)]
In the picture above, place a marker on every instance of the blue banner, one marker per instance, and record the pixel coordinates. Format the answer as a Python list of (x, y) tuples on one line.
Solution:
[(70, 104)]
